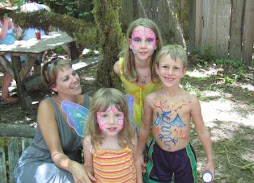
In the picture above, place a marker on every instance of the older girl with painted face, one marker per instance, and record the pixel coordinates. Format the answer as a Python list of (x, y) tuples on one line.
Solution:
[(111, 139), (54, 154), (136, 69)]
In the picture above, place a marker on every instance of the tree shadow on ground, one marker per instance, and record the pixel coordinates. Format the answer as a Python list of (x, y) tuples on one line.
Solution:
[(233, 152)]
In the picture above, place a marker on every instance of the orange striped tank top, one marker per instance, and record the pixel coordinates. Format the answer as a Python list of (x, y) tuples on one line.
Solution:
[(112, 166)]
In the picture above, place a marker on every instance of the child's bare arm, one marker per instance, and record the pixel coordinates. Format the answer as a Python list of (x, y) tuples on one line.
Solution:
[(116, 68), (203, 133), (137, 162), (88, 157), (146, 126)]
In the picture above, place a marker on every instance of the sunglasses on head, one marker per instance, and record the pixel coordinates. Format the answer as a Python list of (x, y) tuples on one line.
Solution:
[(46, 67)]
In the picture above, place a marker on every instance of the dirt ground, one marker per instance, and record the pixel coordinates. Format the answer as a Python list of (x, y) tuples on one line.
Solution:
[(228, 112)]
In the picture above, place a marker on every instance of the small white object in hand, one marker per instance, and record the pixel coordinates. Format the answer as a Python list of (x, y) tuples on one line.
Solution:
[(207, 176)]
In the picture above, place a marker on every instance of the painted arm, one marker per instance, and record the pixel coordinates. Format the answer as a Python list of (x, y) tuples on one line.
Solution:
[(49, 129), (203, 133)]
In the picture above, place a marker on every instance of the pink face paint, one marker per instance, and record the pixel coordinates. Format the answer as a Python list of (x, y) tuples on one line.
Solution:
[(141, 35), (112, 120)]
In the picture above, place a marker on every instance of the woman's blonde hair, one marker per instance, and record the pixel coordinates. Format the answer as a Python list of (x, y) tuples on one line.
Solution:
[(174, 51), (129, 69), (102, 100), (50, 70)]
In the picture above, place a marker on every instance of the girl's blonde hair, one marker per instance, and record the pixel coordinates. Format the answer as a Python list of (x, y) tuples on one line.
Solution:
[(102, 100), (50, 70), (174, 51), (130, 72)]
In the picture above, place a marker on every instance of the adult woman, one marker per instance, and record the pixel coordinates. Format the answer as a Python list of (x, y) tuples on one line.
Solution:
[(54, 155), (7, 37)]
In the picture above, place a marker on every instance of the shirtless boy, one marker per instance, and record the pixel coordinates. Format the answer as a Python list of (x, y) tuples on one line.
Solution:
[(170, 111)]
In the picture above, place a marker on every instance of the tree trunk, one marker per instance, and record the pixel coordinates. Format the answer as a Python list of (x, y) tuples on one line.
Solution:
[(110, 38)]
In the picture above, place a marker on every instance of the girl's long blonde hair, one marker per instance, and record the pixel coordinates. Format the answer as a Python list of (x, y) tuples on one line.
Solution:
[(129, 69), (102, 100)]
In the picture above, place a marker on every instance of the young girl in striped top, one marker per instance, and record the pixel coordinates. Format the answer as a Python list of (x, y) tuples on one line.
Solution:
[(111, 139)]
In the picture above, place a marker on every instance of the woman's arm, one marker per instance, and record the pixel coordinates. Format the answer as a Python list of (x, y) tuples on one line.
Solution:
[(5, 27), (49, 129)]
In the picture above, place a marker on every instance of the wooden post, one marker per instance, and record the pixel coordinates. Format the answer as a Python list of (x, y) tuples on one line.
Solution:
[(192, 22), (248, 33), (209, 25), (21, 92), (198, 23), (11, 130), (3, 176), (13, 156), (235, 47), (215, 34), (195, 24)]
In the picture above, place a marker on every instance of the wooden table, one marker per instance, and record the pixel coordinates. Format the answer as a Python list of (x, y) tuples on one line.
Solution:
[(31, 48)]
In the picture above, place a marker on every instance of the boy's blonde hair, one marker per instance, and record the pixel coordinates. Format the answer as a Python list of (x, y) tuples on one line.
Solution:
[(50, 70), (102, 100), (174, 51), (130, 72)]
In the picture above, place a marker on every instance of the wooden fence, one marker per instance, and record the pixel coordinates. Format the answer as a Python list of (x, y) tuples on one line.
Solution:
[(224, 26), (14, 140)]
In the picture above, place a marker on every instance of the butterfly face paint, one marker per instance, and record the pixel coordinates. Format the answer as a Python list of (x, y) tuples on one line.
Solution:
[(111, 121), (143, 37)]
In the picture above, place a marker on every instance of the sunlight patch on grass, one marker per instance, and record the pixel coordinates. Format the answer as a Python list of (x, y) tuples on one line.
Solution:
[(196, 74), (203, 73), (225, 110), (209, 93), (244, 86)]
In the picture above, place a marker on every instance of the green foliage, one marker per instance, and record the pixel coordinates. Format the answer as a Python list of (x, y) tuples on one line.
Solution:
[(79, 9), (228, 80), (209, 53), (203, 59), (232, 65), (59, 49), (85, 33)]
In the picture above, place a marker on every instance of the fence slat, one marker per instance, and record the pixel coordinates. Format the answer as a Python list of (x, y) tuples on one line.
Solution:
[(3, 177), (25, 142), (248, 36), (236, 30), (13, 156)]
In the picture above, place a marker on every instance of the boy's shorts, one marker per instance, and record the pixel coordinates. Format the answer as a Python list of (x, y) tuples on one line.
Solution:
[(163, 164)]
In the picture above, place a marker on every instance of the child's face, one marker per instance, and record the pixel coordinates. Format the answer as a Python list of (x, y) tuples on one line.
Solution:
[(111, 121), (143, 42), (170, 71)]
